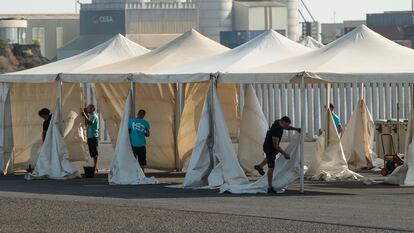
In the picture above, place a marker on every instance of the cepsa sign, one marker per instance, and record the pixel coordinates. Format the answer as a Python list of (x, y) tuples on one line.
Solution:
[(102, 19)]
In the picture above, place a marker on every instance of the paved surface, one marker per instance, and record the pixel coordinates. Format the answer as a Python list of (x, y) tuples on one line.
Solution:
[(90, 205)]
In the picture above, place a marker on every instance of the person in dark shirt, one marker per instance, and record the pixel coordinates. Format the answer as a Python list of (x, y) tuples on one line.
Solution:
[(44, 113), (271, 148)]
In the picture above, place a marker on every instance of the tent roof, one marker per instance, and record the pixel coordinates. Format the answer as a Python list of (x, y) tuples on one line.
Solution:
[(116, 49), (268, 47), (311, 43), (188, 47), (361, 55)]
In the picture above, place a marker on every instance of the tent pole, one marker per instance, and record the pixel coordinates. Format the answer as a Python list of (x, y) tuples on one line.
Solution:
[(178, 109), (241, 98), (133, 100), (327, 113), (302, 140), (60, 96), (210, 142)]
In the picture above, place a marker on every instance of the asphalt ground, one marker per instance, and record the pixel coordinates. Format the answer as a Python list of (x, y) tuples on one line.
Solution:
[(91, 205)]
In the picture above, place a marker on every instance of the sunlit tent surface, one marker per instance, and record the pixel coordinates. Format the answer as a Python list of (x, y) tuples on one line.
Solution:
[(361, 55), (268, 47), (30, 91), (311, 43)]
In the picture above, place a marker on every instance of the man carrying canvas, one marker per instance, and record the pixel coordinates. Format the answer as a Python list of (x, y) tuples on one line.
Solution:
[(271, 147), (44, 113)]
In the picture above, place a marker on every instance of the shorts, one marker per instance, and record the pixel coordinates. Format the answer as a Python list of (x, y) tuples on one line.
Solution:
[(270, 158), (140, 153), (93, 147)]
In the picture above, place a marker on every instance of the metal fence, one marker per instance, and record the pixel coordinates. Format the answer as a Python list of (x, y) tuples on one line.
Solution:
[(278, 100)]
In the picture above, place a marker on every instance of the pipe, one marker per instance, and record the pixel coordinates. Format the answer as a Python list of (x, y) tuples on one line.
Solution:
[(293, 19)]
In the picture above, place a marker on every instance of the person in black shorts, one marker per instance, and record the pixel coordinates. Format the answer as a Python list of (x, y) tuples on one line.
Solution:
[(44, 113), (139, 130), (271, 147)]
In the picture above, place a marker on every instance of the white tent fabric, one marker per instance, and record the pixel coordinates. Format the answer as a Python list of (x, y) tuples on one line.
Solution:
[(116, 49), (213, 161), (52, 162), (285, 173), (6, 133), (404, 175), (361, 55), (266, 48), (125, 169), (330, 163), (358, 138), (253, 128), (26, 100), (311, 43)]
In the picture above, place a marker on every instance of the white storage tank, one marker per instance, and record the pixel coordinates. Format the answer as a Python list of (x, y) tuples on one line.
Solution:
[(293, 19), (214, 16)]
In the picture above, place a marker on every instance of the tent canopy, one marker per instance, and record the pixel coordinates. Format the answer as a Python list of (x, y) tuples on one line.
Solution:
[(268, 47), (188, 47), (361, 55), (311, 43), (116, 49)]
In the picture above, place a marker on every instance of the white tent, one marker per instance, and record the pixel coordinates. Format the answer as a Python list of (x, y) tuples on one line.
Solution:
[(125, 169), (285, 173), (253, 128), (36, 88), (358, 138), (404, 175), (213, 161), (360, 56), (330, 163), (160, 100), (311, 43), (52, 162), (268, 47)]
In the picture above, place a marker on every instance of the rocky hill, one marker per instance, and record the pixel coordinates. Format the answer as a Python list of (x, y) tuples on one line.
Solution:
[(15, 57)]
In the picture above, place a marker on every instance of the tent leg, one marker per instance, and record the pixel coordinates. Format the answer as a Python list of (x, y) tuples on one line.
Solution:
[(60, 96), (178, 111), (302, 141), (241, 99), (133, 100), (327, 113), (211, 120)]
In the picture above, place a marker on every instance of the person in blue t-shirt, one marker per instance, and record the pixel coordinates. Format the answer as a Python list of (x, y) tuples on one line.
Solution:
[(92, 132), (139, 130), (336, 119)]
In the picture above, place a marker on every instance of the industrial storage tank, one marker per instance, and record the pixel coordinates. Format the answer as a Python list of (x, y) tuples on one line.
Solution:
[(214, 16)]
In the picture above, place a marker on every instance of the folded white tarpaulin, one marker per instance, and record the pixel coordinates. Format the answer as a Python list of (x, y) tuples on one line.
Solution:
[(52, 162), (311, 43), (404, 175), (253, 128), (358, 138), (6, 133), (285, 173), (360, 56), (125, 169), (116, 49), (213, 161), (330, 163)]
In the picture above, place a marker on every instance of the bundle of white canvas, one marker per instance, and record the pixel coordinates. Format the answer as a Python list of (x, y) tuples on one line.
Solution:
[(190, 117), (26, 100), (404, 175), (158, 100), (330, 163), (52, 162), (6, 133), (285, 173), (213, 160), (358, 138), (253, 128), (125, 169)]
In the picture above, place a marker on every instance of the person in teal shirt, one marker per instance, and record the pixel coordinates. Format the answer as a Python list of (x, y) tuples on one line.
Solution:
[(139, 130), (92, 132), (336, 119)]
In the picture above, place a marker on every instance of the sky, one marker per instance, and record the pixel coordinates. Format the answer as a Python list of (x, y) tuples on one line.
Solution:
[(323, 10)]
